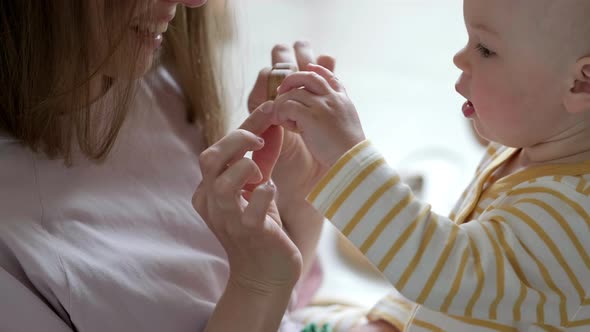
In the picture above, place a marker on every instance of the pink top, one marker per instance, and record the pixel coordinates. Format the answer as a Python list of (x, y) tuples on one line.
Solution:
[(111, 247)]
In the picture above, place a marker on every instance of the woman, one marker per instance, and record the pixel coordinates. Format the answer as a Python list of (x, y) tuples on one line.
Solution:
[(105, 108)]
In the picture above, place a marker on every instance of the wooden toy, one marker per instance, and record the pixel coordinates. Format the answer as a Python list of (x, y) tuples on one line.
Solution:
[(277, 74)]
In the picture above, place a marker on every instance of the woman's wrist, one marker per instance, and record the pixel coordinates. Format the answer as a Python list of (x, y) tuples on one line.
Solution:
[(253, 287), (250, 306)]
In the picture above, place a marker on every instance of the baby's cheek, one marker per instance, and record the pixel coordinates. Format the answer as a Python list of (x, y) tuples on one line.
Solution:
[(496, 107), (495, 94)]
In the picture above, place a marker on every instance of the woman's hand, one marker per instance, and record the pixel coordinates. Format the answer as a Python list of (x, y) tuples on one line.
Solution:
[(242, 213), (237, 204)]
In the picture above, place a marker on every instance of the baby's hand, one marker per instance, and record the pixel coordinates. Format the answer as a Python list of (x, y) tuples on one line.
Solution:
[(315, 104)]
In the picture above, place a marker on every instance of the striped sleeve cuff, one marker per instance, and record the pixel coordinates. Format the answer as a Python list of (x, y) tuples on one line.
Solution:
[(336, 186), (393, 309)]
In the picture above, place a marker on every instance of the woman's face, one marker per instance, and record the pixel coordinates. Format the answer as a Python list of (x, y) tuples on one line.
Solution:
[(132, 32)]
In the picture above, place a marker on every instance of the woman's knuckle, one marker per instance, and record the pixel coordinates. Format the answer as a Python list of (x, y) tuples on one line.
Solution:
[(208, 158), (243, 134), (250, 165), (223, 187)]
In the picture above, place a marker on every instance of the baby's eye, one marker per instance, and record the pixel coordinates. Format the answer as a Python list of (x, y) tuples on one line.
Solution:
[(485, 52)]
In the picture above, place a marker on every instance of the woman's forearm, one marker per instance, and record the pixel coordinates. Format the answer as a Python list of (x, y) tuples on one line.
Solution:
[(249, 308)]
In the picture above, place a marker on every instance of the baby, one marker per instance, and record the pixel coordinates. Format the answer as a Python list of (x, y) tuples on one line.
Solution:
[(514, 255)]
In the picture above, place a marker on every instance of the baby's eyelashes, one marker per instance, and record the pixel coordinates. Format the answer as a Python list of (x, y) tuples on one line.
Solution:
[(484, 51)]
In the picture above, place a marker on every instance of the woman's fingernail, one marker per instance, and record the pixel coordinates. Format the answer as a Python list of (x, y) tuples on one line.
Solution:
[(260, 140)]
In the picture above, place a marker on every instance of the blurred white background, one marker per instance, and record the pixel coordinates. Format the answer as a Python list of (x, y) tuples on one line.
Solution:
[(395, 59)]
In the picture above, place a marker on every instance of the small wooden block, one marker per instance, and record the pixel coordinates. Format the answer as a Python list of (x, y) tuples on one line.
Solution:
[(277, 74)]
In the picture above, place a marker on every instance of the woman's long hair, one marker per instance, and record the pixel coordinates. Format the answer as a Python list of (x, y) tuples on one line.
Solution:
[(49, 54)]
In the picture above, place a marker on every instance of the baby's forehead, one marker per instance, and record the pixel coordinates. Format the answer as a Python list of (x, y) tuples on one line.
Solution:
[(567, 21), (557, 14), (557, 29), (533, 17), (537, 11)]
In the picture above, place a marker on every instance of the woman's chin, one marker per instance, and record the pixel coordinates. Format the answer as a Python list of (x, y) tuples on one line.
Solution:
[(143, 66), (134, 70)]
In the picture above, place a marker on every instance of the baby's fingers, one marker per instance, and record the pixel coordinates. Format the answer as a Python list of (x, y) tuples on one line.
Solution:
[(327, 75), (311, 81), (295, 109), (259, 204)]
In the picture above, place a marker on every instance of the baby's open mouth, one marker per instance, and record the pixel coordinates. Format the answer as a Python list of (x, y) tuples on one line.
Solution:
[(468, 109)]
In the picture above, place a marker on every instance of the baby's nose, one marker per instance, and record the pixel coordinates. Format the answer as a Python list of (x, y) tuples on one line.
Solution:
[(460, 59)]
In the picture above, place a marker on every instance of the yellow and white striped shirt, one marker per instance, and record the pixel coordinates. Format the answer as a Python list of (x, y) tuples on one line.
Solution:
[(513, 256)]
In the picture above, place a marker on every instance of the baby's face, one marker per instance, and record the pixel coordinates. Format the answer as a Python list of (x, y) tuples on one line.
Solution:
[(515, 70)]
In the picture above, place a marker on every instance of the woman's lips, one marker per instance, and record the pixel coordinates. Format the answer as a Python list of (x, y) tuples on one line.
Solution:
[(468, 109)]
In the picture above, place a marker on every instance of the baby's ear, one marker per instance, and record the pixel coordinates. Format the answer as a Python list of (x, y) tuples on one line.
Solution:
[(577, 99)]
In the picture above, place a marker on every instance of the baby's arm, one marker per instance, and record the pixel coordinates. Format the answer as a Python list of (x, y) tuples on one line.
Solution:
[(515, 263)]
